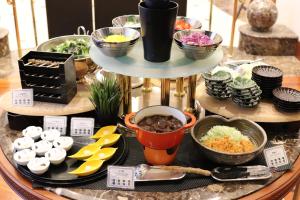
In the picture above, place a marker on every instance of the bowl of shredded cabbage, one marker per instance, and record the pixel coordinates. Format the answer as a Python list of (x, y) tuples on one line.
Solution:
[(229, 141)]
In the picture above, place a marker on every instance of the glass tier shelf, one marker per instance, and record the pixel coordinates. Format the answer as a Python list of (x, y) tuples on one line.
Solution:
[(135, 65)]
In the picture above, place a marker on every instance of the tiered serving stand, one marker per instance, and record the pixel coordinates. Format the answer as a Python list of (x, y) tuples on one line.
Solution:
[(167, 70), (134, 65)]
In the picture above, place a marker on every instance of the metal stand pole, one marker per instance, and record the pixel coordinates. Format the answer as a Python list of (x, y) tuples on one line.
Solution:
[(125, 84), (165, 92), (210, 14), (179, 87), (13, 3), (234, 18), (147, 85), (191, 98), (33, 21)]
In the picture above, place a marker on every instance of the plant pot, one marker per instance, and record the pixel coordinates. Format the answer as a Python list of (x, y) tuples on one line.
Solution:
[(159, 148), (157, 28)]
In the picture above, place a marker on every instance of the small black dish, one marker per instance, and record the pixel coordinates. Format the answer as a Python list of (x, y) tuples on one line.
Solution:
[(267, 72), (57, 176)]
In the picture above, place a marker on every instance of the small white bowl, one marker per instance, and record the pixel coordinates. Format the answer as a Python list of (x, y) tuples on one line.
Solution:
[(64, 142), (32, 131), (38, 165), (24, 156), (50, 135), (23, 143), (41, 147), (56, 155)]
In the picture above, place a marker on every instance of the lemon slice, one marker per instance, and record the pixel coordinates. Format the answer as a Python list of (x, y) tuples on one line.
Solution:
[(86, 151), (87, 168), (108, 140), (103, 154), (106, 130)]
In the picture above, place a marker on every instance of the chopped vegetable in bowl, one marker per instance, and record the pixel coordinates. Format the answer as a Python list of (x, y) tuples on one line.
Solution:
[(182, 24), (227, 139), (196, 39), (116, 38), (242, 83), (78, 47)]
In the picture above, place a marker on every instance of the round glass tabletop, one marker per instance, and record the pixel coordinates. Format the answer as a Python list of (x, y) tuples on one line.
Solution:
[(134, 64)]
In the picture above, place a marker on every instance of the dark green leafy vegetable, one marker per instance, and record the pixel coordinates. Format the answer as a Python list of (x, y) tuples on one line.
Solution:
[(78, 47)]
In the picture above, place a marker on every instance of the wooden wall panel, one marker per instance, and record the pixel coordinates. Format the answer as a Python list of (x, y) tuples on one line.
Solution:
[(105, 11), (64, 16)]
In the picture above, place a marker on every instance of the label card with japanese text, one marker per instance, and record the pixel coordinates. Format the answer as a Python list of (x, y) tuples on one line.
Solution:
[(22, 97), (120, 177), (56, 122), (276, 158), (82, 126)]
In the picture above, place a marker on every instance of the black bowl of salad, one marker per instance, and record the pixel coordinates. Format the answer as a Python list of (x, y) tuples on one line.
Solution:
[(78, 45), (197, 44)]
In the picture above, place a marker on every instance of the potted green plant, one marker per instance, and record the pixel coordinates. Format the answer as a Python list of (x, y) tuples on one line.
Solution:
[(106, 96)]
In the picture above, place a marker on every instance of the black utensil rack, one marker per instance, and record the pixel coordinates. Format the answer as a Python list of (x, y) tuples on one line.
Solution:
[(52, 76)]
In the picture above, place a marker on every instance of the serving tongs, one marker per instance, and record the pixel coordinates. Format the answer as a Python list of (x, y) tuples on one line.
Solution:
[(144, 172)]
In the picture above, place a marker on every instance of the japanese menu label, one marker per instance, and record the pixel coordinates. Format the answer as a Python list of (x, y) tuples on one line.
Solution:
[(56, 122), (120, 177), (22, 97), (82, 126), (276, 158)]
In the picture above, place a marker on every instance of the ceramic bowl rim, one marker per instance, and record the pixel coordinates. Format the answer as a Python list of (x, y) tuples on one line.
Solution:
[(164, 133), (95, 39)]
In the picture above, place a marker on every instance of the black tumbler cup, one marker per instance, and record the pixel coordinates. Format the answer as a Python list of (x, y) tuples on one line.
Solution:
[(157, 29)]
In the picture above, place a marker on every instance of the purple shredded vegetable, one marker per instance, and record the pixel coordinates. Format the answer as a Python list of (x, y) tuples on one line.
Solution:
[(197, 39)]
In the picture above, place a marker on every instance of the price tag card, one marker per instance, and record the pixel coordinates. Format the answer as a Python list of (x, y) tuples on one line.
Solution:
[(56, 122), (120, 177), (22, 97), (82, 126), (276, 158)]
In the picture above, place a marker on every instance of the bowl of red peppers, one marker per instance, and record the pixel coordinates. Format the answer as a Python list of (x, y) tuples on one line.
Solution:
[(197, 44), (185, 23)]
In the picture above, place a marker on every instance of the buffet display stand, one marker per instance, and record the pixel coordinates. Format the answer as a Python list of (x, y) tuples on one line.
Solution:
[(276, 188), (134, 65)]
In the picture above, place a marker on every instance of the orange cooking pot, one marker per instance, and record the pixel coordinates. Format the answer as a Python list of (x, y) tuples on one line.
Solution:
[(159, 141)]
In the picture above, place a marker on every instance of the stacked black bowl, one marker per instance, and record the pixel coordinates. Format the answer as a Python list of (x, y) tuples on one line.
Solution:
[(245, 92), (267, 78), (286, 99), (217, 84)]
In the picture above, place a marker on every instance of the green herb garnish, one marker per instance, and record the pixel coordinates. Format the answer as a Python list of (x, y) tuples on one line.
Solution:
[(78, 47)]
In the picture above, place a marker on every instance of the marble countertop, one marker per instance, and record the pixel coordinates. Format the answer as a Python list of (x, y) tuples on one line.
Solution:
[(226, 190)]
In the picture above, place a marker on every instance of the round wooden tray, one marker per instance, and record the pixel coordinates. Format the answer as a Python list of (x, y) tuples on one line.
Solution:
[(79, 104), (264, 112)]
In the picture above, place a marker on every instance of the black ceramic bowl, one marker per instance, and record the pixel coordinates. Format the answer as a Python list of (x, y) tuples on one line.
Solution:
[(249, 128)]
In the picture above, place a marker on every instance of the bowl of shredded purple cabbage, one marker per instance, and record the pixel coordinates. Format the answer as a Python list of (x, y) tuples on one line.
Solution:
[(197, 44)]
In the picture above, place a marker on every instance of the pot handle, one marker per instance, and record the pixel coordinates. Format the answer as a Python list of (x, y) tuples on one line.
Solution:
[(193, 120), (128, 123)]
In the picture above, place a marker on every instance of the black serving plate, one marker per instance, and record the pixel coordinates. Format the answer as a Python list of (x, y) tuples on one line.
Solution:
[(57, 176)]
